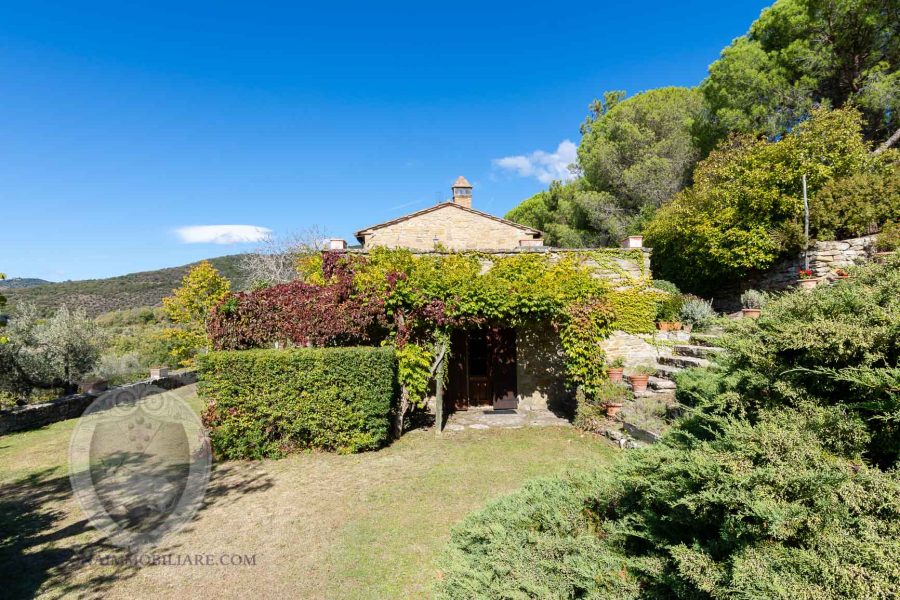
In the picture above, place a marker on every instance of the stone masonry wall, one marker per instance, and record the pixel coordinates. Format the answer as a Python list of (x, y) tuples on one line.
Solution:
[(619, 266), (824, 258), (72, 407), (455, 229), (540, 368)]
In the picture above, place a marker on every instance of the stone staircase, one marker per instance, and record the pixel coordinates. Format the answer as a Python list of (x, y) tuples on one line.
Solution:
[(696, 353), (693, 351)]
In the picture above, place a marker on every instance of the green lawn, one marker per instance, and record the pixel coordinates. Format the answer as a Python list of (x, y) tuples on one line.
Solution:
[(319, 525)]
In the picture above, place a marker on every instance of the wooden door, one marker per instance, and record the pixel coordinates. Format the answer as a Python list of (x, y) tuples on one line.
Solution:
[(503, 366)]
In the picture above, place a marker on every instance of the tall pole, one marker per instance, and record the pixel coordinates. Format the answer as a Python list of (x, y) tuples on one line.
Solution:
[(805, 227)]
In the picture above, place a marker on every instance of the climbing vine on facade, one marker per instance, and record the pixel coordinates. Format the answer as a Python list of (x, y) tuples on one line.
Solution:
[(413, 302)]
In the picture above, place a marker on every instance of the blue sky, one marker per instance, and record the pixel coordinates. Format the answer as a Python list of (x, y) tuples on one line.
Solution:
[(121, 124)]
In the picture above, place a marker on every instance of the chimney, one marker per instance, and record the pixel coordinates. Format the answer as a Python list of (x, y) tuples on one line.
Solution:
[(462, 192), (337, 244)]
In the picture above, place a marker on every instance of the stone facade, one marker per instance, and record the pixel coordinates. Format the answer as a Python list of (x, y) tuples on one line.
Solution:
[(824, 258), (540, 368), (450, 225)]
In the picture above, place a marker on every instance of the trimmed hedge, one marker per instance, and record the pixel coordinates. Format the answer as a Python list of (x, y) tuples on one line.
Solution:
[(265, 403)]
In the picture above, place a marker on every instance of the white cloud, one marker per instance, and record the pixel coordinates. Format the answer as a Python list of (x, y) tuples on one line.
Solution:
[(222, 234), (544, 166)]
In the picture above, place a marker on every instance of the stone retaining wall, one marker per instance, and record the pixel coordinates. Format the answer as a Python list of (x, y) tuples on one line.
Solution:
[(72, 407), (824, 258)]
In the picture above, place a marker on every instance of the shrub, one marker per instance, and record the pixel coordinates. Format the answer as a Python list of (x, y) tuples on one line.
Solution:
[(119, 368), (719, 509), (837, 345), (745, 208), (889, 238), (856, 205), (754, 299), (697, 311), (264, 403), (669, 307), (666, 286), (590, 410), (536, 543)]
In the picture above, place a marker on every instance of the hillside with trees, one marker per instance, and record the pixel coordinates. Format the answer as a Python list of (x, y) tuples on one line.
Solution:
[(651, 163), (97, 296)]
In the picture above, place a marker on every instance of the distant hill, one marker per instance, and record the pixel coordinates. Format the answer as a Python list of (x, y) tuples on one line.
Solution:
[(98, 296), (21, 282)]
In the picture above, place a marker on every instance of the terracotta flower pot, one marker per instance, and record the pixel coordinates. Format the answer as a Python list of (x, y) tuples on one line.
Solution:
[(613, 408), (638, 383), (750, 313), (615, 374), (668, 326), (808, 284)]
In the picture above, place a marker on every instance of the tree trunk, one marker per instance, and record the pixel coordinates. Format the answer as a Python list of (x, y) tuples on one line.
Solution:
[(401, 412), (888, 142)]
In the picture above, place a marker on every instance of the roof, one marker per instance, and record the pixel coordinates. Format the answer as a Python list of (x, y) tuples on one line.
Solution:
[(529, 230), (461, 182)]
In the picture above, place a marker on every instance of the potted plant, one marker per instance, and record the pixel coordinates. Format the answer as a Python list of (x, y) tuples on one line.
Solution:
[(668, 311), (615, 369), (807, 279), (841, 274), (887, 242), (752, 302), (611, 396), (639, 376), (696, 312)]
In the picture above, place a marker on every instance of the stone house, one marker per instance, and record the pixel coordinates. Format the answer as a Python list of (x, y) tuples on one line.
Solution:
[(453, 225), (499, 367)]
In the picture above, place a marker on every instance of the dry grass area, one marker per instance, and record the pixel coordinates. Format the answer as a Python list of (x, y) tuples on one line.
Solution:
[(319, 525)]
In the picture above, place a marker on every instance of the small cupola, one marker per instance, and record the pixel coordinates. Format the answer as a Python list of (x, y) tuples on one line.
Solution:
[(462, 192)]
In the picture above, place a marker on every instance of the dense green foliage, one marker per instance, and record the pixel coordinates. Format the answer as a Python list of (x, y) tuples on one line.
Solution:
[(836, 346), (264, 403), (98, 296), (781, 482), (47, 353), (719, 509), (416, 299), (636, 154), (803, 53), (745, 209), (856, 205), (189, 308)]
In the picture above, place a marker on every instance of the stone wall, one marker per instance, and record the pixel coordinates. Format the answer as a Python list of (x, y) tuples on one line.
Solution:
[(71, 407), (453, 228), (620, 266), (642, 349), (540, 368), (824, 258)]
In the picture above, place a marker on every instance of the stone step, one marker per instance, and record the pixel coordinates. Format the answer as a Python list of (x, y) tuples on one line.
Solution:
[(685, 362), (666, 372), (696, 351), (705, 339), (658, 383)]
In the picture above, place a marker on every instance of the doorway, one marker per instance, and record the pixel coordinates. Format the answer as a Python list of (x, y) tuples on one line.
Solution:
[(482, 368)]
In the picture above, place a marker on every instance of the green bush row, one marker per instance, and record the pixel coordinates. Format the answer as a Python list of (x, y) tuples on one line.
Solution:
[(719, 509), (264, 403)]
